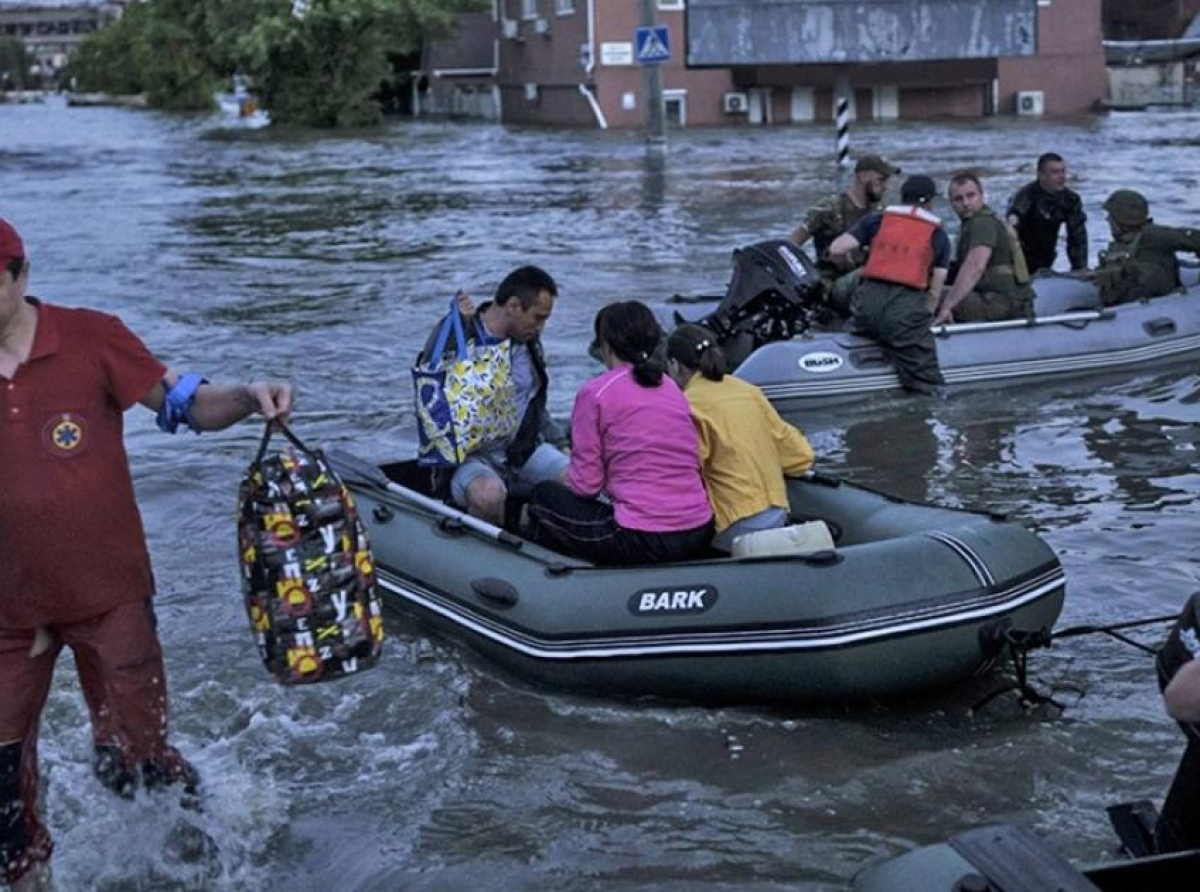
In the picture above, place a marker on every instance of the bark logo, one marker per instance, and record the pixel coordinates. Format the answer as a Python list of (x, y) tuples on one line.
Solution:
[(673, 601)]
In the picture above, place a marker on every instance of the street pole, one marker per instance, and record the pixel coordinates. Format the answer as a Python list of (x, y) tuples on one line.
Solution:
[(841, 103), (656, 122)]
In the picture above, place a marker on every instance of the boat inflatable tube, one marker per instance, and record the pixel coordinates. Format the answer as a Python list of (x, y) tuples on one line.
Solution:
[(308, 577)]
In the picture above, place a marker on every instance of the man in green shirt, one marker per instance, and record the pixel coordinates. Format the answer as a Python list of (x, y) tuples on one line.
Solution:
[(1140, 261), (992, 281)]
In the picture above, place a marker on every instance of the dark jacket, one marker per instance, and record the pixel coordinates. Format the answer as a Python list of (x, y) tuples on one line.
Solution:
[(536, 426), (1039, 215)]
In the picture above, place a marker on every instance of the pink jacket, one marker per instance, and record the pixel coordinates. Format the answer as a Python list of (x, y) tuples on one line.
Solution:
[(640, 446)]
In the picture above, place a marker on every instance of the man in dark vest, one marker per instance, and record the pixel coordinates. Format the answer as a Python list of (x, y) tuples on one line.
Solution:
[(1140, 261), (991, 282), (1041, 208), (906, 267)]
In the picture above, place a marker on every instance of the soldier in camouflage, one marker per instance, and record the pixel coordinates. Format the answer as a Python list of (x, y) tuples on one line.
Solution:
[(835, 214), (1140, 261)]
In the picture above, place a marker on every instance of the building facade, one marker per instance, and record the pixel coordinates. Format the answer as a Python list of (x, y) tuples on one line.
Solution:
[(52, 33), (573, 62)]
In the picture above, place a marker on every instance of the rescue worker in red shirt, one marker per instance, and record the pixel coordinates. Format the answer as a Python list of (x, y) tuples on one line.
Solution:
[(901, 281), (74, 568)]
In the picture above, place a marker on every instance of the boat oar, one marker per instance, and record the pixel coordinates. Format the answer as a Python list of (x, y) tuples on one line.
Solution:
[(363, 471)]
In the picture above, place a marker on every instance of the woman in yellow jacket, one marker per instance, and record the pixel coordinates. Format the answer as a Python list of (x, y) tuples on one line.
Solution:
[(745, 447)]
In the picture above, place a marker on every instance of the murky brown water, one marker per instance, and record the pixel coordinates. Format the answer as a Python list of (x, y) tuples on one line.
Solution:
[(323, 259)]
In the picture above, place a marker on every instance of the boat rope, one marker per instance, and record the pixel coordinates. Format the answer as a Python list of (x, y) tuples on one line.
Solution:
[(1016, 645), (1114, 631)]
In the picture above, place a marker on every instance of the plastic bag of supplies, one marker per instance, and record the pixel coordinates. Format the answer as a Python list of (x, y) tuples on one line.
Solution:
[(307, 575)]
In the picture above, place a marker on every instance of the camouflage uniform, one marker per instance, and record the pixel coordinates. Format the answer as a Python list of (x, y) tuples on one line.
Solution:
[(1142, 263), (825, 221), (1003, 291)]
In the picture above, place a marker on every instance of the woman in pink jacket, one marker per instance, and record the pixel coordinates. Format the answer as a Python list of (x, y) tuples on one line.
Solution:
[(633, 491)]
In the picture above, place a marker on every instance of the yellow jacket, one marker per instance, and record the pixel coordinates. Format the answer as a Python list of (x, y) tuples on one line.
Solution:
[(745, 448)]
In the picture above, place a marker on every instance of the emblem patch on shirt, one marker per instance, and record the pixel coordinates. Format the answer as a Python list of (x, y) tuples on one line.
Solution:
[(66, 434)]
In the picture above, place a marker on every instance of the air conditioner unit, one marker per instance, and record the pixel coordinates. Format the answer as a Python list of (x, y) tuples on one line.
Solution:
[(735, 103), (541, 25), (1031, 102), (531, 92), (512, 29)]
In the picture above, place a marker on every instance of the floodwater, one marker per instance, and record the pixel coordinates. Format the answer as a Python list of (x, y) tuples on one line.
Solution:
[(324, 259)]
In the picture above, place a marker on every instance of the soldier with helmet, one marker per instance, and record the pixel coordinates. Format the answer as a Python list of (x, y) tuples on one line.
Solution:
[(1140, 261)]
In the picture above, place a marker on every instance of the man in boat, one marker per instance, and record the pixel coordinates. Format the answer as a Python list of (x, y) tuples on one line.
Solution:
[(992, 280), (901, 281), (74, 568), (1040, 209), (834, 215), (518, 313), (1140, 260), (1178, 825)]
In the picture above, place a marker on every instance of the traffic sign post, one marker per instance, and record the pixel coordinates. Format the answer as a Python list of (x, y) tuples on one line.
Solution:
[(652, 47), (653, 43)]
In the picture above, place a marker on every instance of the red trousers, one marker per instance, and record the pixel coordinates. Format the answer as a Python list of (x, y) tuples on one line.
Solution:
[(121, 673)]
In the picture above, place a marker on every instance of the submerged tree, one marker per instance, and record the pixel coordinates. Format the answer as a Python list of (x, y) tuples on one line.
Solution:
[(15, 65), (318, 63)]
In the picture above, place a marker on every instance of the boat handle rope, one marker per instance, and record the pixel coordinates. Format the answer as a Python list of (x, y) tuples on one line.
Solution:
[(1017, 645)]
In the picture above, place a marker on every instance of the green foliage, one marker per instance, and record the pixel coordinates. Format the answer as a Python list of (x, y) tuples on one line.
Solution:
[(15, 62), (154, 49), (317, 64)]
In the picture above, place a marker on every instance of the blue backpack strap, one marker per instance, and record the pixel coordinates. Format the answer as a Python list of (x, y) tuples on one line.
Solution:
[(452, 322), (177, 403)]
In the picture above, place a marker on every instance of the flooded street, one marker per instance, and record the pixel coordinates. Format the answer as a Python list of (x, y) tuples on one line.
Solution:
[(325, 260)]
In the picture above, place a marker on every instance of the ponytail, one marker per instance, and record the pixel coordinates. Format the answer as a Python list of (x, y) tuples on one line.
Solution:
[(633, 335), (696, 348)]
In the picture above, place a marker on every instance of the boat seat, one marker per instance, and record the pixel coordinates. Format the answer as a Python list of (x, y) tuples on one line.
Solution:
[(810, 537)]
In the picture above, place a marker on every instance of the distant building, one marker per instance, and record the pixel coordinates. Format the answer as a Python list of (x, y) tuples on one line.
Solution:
[(1153, 53), (573, 62), (52, 32), (1148, 19)]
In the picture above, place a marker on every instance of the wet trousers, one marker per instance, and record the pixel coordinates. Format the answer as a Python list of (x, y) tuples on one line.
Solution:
[(587, 528), (1178, 826), (119, 660), (898, 318)]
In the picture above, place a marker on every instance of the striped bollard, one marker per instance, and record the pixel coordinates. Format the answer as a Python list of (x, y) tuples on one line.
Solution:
[(843, 135)]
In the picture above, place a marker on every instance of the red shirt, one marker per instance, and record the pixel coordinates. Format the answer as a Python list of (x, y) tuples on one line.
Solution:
[(71, 540)]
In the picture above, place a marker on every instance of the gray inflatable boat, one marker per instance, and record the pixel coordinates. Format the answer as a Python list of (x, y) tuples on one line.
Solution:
[(776, 335), (911, 596)]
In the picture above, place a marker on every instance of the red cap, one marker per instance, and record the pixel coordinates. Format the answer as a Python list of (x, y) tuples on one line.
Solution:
[(11, 245)]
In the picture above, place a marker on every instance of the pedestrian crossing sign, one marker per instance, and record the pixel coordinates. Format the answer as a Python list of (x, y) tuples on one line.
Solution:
[(653, 44)]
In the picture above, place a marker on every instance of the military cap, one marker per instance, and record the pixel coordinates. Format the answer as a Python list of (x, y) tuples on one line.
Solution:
[(1128, 208), (875, 164)]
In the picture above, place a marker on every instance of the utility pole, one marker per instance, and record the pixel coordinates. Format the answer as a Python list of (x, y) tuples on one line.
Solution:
[(656, 122), (842, 97)]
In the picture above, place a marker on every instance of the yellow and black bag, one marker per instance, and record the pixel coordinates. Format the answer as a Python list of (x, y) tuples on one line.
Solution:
[(307, 575)]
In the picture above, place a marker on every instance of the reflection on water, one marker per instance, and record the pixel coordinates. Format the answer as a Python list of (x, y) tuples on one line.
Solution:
[(326, 259)]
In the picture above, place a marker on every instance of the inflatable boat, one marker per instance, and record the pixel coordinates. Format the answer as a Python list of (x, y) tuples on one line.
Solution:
[(910, 596), (1010, 858), (777, 333)]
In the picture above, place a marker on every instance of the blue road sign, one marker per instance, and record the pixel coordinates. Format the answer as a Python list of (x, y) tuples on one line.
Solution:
[(653, 44)]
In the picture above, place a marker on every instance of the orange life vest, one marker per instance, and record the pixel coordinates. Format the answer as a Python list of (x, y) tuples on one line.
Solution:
[(902, 251)]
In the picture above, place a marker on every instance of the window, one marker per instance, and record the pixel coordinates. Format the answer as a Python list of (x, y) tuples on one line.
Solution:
[(529, 9), (564, 7)]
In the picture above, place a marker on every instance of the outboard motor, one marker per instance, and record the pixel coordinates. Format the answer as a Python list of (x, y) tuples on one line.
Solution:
[(773, 295)]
